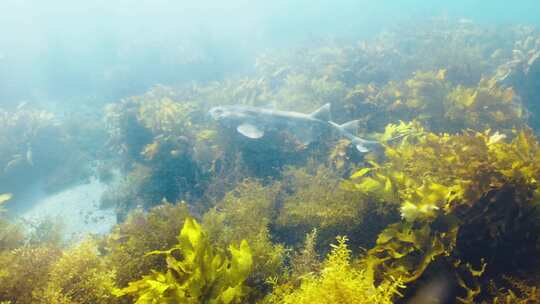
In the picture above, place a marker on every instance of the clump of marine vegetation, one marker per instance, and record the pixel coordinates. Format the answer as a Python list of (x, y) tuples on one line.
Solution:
[(446, 210), (37, 147)]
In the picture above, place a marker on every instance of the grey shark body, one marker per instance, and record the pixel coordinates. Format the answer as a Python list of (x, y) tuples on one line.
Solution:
[(254, 122)]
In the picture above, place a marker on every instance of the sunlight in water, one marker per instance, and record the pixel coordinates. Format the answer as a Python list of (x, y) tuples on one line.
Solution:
[(269, 152)]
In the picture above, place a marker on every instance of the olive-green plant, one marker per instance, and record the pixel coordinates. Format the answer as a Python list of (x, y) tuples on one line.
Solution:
[(125, 247), (339, 281), (314, 199), (80, 276), (25, 269), (202, 274), (247, 212), (447, 187)]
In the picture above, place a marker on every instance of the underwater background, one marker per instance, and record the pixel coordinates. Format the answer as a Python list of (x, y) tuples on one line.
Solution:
[(269, 152)]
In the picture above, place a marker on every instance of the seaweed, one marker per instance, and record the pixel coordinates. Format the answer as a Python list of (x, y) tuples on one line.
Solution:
[(430, 98), (34, 146), (453, 192), (446, 208), (487, 106), (26, 259), (80, 275), (339, 281), (11, 235), (25, 269), (125, 247), (247, 212), (314, 200), (518, 291), (203, 274)]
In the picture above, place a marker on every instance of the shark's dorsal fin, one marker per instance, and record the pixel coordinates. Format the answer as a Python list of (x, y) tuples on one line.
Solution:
[(322, 113), (249, 130), (351, 126)]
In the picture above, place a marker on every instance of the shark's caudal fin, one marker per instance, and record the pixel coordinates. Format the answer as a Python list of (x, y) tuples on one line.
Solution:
[(349, 130), (364, 145), (322, 113)]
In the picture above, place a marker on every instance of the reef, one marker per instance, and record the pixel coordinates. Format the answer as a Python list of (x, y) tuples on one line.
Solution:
[(464, 200), (445, 210), (39, 148)]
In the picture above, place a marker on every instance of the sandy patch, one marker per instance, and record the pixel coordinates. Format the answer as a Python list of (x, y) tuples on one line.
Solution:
[(77, 208)]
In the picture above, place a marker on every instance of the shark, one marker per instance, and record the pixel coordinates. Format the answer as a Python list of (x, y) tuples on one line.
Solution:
[(348, 130), (254, 122)]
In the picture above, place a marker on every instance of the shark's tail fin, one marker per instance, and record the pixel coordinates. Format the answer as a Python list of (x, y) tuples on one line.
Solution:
[(322, 113), (349, 130), (364, 145)]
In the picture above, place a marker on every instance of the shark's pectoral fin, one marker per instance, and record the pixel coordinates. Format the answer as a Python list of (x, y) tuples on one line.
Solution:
[(361, 148), (249, 130)]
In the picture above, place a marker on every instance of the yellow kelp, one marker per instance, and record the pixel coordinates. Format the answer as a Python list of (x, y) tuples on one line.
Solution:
[(433, 173), (484, 106), (444, 185), (203, 275), (246, 213), (440, 105)]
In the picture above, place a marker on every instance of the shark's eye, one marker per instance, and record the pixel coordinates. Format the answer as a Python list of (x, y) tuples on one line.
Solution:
[(216, 112)]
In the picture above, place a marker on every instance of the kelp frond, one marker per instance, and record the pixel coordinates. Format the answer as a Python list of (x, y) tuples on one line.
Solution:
[(204, 274)]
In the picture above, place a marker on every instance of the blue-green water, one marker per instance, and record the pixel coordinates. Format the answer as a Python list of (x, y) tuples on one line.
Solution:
[(269, 151), (106, 50)]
